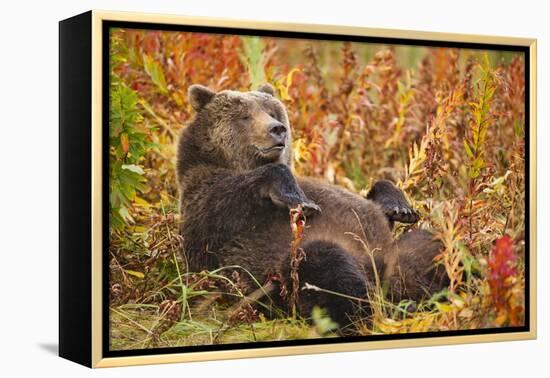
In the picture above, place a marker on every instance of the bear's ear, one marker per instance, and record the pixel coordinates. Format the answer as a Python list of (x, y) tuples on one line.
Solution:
[(267, 88), (199, 96)]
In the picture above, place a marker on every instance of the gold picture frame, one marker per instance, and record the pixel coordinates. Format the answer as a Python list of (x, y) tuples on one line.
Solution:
[(82, 236)]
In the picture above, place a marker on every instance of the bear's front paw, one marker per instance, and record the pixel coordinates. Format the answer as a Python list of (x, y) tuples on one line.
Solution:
[(284, 191), (292, 199), (397, 213), (393, 202), (310, 207), (289, 195)]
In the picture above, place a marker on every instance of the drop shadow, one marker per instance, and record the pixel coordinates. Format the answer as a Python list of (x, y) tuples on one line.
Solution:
[(52, 348)]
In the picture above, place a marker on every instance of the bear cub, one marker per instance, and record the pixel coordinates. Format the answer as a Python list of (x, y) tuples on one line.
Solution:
[(236, 187)]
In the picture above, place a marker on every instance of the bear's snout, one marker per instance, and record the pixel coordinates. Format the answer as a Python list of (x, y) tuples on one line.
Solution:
[(277, 131)]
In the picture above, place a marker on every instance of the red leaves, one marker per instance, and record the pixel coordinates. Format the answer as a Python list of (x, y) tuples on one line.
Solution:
[(297, 224), (502, 263), (504, 283)]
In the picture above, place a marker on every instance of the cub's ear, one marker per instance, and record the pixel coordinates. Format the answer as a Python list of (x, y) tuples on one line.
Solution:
[(267, 88), (199, 96)]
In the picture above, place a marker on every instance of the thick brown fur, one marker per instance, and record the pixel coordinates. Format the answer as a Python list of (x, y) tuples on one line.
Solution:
[(236, 185)]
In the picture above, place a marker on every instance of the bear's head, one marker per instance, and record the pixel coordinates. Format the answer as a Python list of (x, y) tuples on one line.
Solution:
[(240, 130)]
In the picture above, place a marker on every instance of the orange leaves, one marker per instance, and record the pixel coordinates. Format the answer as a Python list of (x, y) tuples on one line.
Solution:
[(124, 143), (284, 85), (447, 220)]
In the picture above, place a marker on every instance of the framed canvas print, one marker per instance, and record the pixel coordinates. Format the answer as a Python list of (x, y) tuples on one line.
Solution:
[(235, 189)]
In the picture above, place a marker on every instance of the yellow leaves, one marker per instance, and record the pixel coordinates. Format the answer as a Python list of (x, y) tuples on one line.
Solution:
[(135, 273), (262, 318), (161, 122), (444, 307), (456, 303), (138, 229), (486, 62), (483, 118), (390, 326), (285, 87), (429, 161), (421, 322), (300, 150), (436, 135), (415, 169), (459, 312), (155, 72), (406, 94), (468, 149), (138, 201), (497, 184)]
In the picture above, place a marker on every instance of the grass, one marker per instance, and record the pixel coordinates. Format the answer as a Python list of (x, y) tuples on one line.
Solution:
[(446, 125)]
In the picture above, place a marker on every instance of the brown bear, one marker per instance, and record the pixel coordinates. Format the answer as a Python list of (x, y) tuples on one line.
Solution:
[(236, 187)]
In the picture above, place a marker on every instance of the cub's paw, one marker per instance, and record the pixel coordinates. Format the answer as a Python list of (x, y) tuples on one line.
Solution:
[(393, 202)]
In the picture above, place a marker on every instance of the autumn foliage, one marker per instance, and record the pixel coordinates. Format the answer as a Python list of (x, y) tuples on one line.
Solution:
[(446, 125)]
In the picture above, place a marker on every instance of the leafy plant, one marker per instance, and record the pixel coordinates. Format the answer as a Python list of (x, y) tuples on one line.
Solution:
[(482, 118), (254, 59), (154, 70), (128, 143)]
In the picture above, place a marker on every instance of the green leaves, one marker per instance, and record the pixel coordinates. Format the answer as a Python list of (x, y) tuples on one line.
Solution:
[(155, 72), (129, 141), (124, 181), (482, 118), (468, 149), (123, 107), (133, 168), (135, 273), (323, 323), (253, 58)]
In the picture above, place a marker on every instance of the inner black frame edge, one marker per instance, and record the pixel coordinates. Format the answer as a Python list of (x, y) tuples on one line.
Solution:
[(107, 25)]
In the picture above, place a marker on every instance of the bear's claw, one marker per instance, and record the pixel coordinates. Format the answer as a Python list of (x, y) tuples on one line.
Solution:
[(403, 214), (393, 202), (311, 206)]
